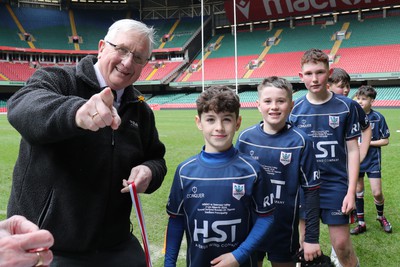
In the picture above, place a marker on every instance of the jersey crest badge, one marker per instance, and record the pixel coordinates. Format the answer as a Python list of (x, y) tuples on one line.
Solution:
[(334, 121), (238, 190), (286, 158)]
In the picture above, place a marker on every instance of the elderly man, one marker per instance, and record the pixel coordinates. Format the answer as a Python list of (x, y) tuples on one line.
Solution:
[(87, 134)]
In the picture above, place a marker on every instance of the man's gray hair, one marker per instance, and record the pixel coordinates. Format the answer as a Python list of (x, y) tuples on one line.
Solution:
[(125, 25)]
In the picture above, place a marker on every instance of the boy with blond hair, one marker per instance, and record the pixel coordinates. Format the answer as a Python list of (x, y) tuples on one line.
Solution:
[(287, 154)]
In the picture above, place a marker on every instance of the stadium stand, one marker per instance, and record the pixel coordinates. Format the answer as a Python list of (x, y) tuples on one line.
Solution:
[(92, 25), (15, 71), (49, 28), (9, 30), (368, 48), (373, 32), (162, 27), (3, 106), (185, 28), (378, 54), (369, 59), (316, 37)]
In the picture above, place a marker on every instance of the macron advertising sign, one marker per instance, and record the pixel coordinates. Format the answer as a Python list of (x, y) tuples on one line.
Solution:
[(261, 10)]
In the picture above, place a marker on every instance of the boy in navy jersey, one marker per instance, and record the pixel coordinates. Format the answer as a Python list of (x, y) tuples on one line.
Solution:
[(331, 121), (215, 193), (339, 83), (371, 165), (287, 154)]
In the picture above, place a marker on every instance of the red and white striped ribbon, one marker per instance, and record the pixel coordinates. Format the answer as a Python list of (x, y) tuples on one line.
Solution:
[(139, 215)]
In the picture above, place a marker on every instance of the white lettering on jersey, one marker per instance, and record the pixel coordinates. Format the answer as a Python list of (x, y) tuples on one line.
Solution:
[(316, 175), (355, 128), (279, 185), (323, 147), (268, 200), (221, 235)]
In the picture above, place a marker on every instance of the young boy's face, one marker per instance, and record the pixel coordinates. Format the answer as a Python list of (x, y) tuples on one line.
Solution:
[(218, 130), (339, 88), (365, 102), (274, 105), (315, 77)]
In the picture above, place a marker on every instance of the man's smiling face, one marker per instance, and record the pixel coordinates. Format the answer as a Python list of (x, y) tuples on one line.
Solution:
[(118, 71)]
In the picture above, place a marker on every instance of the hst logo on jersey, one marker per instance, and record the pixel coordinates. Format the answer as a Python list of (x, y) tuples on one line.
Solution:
[(220, 230), (327, 149), (286, 158), (334, 121), (238, 190)]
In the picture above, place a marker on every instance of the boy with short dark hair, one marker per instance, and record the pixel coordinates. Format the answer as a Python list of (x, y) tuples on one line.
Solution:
[(215, 192), (339, 83), (287, 154), (332, 123), (371, 165)]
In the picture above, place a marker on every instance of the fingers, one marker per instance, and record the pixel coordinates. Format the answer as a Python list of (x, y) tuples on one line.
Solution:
[(125, 184), (140, 175), (107, 97), (36, 241), (17, 225), (311, 251), (42, 258), (347, 209), (116, 121), (29, 249), (98, 112), (25, 226)]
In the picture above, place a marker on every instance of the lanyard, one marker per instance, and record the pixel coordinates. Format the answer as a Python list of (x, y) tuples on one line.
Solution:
[(142, 225)]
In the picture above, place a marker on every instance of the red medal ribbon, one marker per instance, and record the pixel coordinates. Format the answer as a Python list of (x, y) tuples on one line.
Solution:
[(142, 225)]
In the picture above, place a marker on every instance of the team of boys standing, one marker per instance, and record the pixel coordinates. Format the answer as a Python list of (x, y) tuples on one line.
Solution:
[(235, 203), (310, 151)]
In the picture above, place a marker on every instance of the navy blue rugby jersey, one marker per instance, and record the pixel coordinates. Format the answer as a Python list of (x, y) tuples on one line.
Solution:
[(329, 125), (216, 200), (288, 158), (380, 130)]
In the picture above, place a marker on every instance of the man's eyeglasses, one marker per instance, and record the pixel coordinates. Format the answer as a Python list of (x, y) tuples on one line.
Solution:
[(124, 53)]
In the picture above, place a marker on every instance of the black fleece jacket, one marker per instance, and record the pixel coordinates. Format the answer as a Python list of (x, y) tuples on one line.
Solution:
[(68, 180)]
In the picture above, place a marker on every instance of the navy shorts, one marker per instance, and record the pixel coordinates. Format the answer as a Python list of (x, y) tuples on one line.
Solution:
[(375, 175), (335, 217)]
